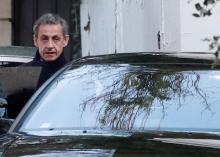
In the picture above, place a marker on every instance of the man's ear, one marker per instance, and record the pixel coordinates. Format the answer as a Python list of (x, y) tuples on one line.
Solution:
[(66, 40)]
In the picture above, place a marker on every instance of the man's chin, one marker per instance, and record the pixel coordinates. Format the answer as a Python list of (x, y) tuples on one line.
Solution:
[(49, 59)]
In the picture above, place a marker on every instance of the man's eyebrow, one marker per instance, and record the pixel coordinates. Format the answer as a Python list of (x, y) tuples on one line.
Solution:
[(56, 35), (43, 36)]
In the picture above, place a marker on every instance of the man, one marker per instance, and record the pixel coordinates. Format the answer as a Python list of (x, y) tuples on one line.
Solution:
[(50, 37)]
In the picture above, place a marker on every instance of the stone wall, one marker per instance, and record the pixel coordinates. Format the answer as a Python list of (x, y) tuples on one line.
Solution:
[(5, 23)]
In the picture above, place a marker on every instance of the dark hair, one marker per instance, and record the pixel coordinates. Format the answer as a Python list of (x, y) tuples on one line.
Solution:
[(50, 19)]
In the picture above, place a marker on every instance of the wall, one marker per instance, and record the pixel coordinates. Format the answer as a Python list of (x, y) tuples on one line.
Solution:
[(119, 26), (123, 26), (171, 25), (98, 26), (5, 23), (137, 25)]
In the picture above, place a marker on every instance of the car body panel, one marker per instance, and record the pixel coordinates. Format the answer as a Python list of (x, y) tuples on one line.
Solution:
[(136, 145)]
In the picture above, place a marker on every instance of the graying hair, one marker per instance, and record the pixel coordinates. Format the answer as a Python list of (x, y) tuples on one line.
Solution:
[(50, 19)]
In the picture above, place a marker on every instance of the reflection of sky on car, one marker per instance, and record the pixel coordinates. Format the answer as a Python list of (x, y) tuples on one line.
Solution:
[(87, 82), (74, 93)]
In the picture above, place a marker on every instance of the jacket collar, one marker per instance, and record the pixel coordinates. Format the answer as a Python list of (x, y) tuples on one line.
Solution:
[(59, 61)]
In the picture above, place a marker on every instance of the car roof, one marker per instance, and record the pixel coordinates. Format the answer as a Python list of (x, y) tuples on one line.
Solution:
[(195, 59), (19, 54), (13, 58)]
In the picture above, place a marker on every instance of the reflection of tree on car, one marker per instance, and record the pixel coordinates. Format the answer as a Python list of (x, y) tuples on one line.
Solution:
[(138, 89)]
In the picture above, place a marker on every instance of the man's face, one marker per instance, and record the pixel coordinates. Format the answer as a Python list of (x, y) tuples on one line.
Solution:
[(50, 41)]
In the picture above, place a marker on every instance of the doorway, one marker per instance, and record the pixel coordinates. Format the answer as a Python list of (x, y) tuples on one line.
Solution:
[(25, 12)]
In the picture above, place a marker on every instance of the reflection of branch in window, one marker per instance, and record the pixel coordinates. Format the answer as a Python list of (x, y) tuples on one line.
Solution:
[(202, 94), (132, 94)]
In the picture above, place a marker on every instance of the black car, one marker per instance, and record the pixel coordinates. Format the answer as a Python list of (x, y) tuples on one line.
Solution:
[(122, 105)]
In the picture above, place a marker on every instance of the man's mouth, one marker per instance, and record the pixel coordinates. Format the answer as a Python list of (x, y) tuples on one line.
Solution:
[(49, 53)]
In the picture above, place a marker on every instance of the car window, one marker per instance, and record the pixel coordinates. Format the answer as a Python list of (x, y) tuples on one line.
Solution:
[(127, 97), (17, 84)]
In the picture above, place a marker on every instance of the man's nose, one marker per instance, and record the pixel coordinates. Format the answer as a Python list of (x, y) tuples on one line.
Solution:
[(50, 43)]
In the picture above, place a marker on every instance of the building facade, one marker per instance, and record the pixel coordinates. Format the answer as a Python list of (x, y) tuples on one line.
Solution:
[(6, 23), (18, 16), (124, 26), (114, 26)]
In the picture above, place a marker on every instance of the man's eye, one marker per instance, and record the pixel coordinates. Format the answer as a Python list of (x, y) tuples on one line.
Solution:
[(56, 38), (44, 39)]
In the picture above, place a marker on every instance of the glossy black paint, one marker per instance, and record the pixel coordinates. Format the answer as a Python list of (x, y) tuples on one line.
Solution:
[(136, 145)]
